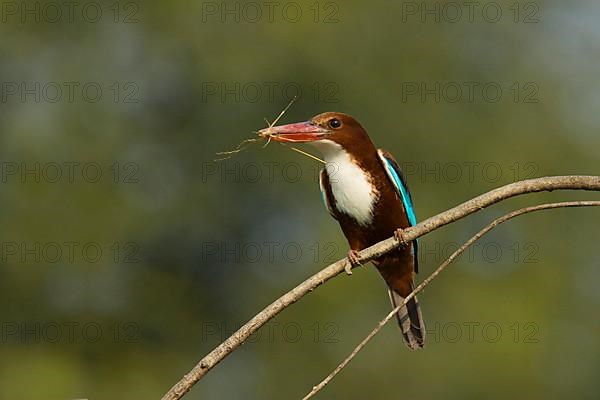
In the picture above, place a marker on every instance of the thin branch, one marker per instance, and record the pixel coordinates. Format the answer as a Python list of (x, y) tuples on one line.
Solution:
[(377, 250), (435, 273)]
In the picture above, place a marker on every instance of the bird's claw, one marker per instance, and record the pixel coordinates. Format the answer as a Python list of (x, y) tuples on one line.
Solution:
[(353, 261), (399, 235)]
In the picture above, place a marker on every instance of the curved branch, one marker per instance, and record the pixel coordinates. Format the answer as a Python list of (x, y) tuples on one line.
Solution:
[(435, 273), (576, 182)]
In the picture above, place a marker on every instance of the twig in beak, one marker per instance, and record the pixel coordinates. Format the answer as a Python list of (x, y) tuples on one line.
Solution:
[(239, 147), (268, 135), (268, 132), (268, 141), (306, 154)]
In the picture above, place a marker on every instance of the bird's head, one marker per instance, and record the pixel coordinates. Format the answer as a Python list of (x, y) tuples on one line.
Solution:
[(327, 131)]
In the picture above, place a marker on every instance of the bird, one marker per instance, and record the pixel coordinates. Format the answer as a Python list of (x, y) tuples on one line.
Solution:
[(365, 190)]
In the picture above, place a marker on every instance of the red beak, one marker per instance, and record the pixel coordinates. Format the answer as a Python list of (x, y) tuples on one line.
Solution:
[(295, 133)]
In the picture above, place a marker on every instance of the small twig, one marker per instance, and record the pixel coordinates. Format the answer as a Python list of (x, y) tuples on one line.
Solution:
[(358, 348), (304, 153), (240, 147), (292, 101), (225, 155), (435, 273), (469, 207), (268, 134)]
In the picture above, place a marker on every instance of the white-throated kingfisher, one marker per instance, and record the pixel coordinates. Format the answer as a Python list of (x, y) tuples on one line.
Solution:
[(365, 191)]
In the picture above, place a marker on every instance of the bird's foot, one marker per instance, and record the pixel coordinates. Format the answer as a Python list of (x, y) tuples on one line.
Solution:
[(399, 235), (353, 261)]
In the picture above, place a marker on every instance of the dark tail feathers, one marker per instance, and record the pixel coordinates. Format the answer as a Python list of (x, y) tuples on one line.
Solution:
[(410, 320)]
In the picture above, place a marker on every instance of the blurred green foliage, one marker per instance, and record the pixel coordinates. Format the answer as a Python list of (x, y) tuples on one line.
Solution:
[(192, 248)]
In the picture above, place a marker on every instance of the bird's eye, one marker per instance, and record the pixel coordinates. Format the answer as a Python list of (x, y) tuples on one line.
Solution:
[(335, 123)]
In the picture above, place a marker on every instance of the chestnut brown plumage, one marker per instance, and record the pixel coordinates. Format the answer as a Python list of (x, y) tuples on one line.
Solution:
[(357, 167)]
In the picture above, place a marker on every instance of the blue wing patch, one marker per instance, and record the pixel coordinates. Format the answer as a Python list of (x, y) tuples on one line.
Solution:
[(401, 188), (395, 174)]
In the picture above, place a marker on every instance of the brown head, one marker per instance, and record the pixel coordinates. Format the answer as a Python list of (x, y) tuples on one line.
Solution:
[(322, 130)]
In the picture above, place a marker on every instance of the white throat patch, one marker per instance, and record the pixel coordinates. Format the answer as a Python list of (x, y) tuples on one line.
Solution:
[(351, 187)]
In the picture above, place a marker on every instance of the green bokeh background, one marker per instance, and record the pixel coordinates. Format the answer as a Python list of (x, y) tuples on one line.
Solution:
[(194, 235)]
